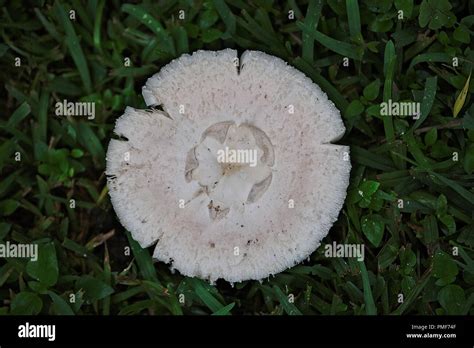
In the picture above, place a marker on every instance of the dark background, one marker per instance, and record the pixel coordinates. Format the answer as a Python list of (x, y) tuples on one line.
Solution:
[(409, 249)]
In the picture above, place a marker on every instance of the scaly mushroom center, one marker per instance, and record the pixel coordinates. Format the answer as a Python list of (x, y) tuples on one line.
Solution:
[(231, 168), (232, 164)]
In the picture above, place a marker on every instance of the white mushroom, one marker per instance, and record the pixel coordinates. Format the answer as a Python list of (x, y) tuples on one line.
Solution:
[(176, 180)]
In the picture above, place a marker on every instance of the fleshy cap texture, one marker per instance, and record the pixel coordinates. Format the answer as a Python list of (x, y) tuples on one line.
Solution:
[(237, 221)]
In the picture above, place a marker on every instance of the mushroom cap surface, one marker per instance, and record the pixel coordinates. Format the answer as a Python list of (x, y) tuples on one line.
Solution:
[(235, 177)]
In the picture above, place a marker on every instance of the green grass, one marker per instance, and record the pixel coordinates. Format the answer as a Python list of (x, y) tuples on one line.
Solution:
[(416, 176)]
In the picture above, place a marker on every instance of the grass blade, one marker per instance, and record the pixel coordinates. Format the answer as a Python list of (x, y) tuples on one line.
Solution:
[(467, 195), (368, 297), (163, 296), (428, 99), (415, 150), (88, 138), (461, 97), (209, 300), (227, 16), (48, 26), (72, 42), (430, 58), (343, 48), (369, 159), (289, 308), (23, 110), (181, 38), (43, 116), (353, 15), (413, 295), (107, 278), (153, 24), (144, 260), (388, 68), (97, 22), (225, 310), (264, 36), (310, 24), (60, 306)]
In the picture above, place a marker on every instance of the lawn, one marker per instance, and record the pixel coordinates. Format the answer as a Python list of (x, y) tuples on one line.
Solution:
[(411, 194)]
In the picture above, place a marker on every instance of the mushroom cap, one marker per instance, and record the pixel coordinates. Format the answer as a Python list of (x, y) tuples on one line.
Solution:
[(225, 218)]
